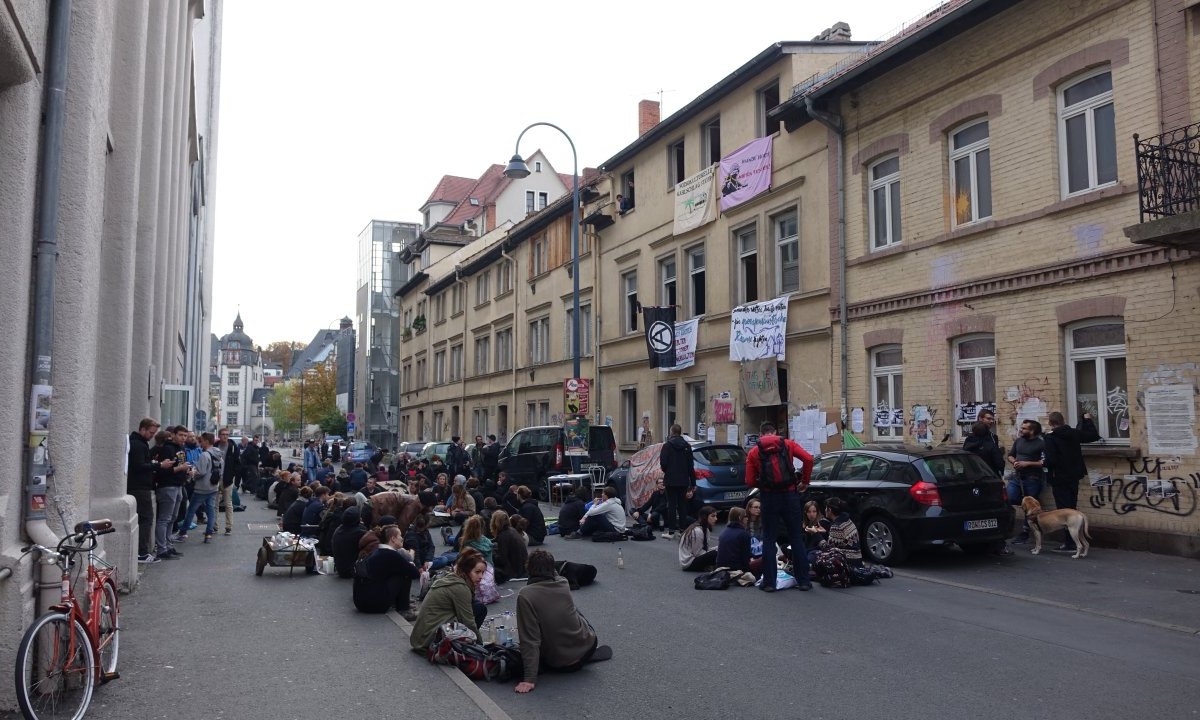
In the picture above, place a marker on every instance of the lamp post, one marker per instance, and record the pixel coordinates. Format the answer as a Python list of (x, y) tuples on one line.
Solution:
[(517, 169)]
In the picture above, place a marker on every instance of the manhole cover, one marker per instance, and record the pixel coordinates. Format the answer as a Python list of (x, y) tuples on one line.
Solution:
[(1189, 592), (262, 527)]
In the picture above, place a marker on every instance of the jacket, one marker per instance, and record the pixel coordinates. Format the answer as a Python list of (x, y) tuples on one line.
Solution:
[(284, 497), (787, 449), (420, 542), (1064, 456), (330, 522), (988, 451), (733, 548), (510, 554), (345, 543), (678, 465), (843, 535), (139, 471), (249, 455), (233, 462), (550, 628), (537, 521), (611, 510), (449, 599), (206, 462), (571, 515), (656, 504), (168, 477), (312, 515), (692, 544), (375, 593), (293, 517)]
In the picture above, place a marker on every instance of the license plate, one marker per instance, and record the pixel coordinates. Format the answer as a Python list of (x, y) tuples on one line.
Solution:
[(738, 495), (989, 524)]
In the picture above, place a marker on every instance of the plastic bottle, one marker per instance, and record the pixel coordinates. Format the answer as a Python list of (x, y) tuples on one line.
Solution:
[(502, 638), (620, 560)]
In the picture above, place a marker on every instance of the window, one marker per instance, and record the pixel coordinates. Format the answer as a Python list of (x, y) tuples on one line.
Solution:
[(421, 373), (541, 255), (439, 368), (405, 426), (483, 353), (439, 307), (696, 297), (631, 309), (975, 371), (629, 415), (482, 295), (667, 282), (456, 362), (539, 341), (537, 167), (504, 340), (479, 421), (529, 198), (457, 298), (1087, 134), (675, 164), (971, 173), (232, 397), (747, 248), (235, 377), (437, 424), (543, 200), (667, 409), (697, 403), (1096, 381), (787, 253), (767, 98), (884, 204), (544, 412), (503, 278), (530, 414), (710, 142), (585, 331), (627, 192), (231, 418), (887, 391)]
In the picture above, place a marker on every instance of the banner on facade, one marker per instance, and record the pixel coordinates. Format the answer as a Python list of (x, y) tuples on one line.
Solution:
[(685, 344), (723, 412), (746, 172), (660, 335), (760, 382), (577, 396), (757, 330), (696, 200)]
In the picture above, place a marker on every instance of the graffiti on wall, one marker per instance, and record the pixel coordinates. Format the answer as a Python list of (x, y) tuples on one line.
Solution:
[(1152, 484), (1024, 400)]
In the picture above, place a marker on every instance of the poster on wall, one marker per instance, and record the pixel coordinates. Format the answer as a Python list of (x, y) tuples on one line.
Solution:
[(685, 344), (746, 172), (577, 395), (857, 420), (968, 413), (696, 200), (921, 429), (757, 330), (1171, 419), (760, 382), (723, 408), (576, 429)]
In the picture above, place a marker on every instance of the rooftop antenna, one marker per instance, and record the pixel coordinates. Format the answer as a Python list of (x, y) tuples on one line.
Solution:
[(661, 92)]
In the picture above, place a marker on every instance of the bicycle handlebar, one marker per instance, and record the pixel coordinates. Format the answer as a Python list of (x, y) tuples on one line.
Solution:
[(85, 532)]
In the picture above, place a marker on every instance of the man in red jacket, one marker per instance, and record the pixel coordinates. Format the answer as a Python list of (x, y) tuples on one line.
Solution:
[(769, 468)]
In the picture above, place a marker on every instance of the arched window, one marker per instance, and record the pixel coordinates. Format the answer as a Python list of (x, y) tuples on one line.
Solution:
[(887, 391), (1096, 381), (974, 371), (971, 172)]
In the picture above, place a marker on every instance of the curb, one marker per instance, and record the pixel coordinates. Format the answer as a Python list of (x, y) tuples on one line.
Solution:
[(1185, 629), (464, 683)]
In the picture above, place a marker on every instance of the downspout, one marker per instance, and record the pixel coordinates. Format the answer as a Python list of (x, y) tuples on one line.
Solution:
[(512, 278), (833, 121), (462, 372), (594, 248), (46, 258)]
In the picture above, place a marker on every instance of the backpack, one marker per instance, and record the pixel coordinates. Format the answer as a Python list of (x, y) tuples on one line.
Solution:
[(776, 472), (607, 537), (453, 644), (641, 532), (715, 580), (831, 569)]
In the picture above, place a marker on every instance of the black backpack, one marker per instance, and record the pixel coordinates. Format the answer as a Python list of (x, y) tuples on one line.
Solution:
[(775, 467), (714, 580)]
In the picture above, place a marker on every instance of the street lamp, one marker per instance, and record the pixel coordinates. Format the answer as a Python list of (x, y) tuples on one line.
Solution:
[(517, 169)]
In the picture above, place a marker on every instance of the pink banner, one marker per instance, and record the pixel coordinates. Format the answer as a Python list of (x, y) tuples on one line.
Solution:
[(745, 172)]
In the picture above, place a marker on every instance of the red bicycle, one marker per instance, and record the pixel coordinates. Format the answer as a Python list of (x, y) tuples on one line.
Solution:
[(67, 650)]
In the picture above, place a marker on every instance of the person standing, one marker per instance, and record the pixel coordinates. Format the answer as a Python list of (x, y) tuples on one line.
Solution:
[(477, 457), (139, 482), (310, 461), (1064, 461), (679, 474), (491, 463), (170, 478), (1026, 457), (207, 486), (229, 473), (769, 468), (249, 460)]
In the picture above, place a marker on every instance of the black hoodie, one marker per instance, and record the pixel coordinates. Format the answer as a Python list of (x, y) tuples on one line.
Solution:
[(987, 449), (345, 543), (677, 463)]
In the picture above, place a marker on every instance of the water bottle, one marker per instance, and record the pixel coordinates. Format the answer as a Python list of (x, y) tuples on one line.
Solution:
[(620, 560), (502, 639)]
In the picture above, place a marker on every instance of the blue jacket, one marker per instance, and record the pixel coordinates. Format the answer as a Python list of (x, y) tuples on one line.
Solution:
[(312, 513), (733, 548)]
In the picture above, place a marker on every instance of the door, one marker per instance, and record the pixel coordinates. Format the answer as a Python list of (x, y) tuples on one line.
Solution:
[(822, 477), (178, 408), (524, 457)]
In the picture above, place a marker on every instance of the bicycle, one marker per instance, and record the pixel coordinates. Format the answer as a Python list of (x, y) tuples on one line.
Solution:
[(66, 651)]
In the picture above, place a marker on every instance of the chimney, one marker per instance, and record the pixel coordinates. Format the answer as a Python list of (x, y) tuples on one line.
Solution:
[(648, 116), (840, 32)]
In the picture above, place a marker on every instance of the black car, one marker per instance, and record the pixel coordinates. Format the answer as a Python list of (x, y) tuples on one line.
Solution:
[(534, 453), (901, 498)]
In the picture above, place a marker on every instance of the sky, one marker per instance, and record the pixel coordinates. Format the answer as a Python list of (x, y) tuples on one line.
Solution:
[(334, 114)]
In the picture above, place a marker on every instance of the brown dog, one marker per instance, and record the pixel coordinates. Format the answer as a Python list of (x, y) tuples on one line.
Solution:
[(1074, 521)]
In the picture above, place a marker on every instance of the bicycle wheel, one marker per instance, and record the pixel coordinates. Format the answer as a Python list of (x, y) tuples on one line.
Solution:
[(110, 631), (56, 670)]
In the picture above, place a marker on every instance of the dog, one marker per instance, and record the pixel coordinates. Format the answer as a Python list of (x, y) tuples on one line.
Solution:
[(1074, 521)]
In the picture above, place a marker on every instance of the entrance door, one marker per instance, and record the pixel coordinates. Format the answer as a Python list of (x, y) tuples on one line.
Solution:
[(177, 407)]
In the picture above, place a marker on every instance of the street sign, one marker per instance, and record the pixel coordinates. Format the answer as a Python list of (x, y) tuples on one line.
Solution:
[(349, 427), (350, 418)]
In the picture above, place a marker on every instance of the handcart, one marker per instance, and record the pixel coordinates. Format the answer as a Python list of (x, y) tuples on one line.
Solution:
[(286, 550)]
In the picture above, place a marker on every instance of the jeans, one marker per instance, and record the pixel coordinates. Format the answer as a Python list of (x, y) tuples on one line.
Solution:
[(209, 502), (787, 508), (443, 560), (145, 516), (675, 508), (1018, 488), (595, 524), (168, 504)]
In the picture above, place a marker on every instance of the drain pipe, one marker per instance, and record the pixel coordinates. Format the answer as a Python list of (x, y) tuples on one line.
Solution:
[(512, 279), (38, 468), (462, 371), (834, 122)]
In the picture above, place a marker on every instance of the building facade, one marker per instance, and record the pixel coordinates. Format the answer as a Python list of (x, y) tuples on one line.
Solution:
[(241, 374), (130, 306)]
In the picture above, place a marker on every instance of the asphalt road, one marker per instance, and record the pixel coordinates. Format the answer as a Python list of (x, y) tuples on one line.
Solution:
[(949, 637)]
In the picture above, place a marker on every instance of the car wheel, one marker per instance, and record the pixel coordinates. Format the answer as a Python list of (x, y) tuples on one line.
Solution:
[(881, 542), (540, 491)]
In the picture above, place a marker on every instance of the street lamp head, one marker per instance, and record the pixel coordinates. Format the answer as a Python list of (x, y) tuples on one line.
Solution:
[(517, 168)]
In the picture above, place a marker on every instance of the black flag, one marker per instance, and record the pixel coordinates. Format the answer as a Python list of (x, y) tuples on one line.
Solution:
[(660, 335)]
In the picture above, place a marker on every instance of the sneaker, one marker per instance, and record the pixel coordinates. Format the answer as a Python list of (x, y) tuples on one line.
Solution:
[(228, 531), (239, 508), (175, 553), (181, 537), (668, 535), (207, 537), (1005, 551), (571, 536), (148, 559), (193, 526), (165, 555), (804, 586)]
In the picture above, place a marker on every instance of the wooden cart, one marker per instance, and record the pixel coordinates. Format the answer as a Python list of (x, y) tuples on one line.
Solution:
[(292, 557)]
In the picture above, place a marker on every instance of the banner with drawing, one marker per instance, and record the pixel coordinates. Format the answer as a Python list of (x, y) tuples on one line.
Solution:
[(696, 200), (757, 330), (685, 344), (746, 172)]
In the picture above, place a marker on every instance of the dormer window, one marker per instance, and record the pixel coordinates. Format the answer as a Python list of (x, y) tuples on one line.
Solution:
[(537, 166)]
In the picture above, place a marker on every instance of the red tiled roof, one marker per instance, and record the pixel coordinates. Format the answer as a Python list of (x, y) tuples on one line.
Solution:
[(450, 188), (486, 189)]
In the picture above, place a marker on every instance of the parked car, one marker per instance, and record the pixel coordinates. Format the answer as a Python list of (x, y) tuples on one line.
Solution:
[(901, 498), (435, 448), (534, 453), (720, 474), (413, 448), (361, 451)]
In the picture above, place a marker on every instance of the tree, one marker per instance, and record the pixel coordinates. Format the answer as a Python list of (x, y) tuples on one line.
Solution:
[(315, 395), (280, 407), (281, 351)]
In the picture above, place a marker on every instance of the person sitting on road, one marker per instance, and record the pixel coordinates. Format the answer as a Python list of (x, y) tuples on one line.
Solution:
[(420, 542), (358, 478), (287, 494), (441, 489), (816, 529), (451, 598), (733, 545), (489, 508), (310, 520), (654, 509), (606, 516), (325, 473), (342, 481), (370, 541), (843, 534), (553, 634), (532, 512), (692, 503), (753, 524), (461, 505), (510, 550), (331, 520), (521, 525), (571, 514), (382, 475), (293, 517), (472, 536), (345, 543), (695, 555), (389, 577)]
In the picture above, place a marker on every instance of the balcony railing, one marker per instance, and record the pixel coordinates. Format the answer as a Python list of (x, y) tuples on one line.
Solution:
[(1168, 172)]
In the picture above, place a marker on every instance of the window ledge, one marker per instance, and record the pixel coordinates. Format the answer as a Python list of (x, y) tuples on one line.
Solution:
[(504, 294), (483, 304), (1117, 451), (457, 314)]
